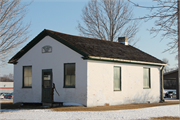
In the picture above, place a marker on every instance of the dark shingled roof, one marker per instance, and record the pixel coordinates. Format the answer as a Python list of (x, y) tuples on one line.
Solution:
[(91, 47)]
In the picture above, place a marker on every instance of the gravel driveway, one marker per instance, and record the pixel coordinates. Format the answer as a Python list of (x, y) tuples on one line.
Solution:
[(145, 113)]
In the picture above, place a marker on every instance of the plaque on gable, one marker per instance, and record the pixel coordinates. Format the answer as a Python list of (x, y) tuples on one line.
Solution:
[(47, 49)]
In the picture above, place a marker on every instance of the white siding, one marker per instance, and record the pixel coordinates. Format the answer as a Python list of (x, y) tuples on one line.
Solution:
[(94, 79), (100, 84), (55, 61)]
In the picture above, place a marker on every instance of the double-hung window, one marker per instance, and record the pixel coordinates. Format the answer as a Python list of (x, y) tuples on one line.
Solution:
[(27, 76), (117, 78), (69, 75), (146, 78)]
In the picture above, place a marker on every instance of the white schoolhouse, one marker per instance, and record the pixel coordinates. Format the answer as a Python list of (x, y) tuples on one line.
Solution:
[(87, 71)]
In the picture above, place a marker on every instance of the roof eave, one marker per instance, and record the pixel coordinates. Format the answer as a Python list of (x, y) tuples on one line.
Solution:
[(26, 48), (124, 61)]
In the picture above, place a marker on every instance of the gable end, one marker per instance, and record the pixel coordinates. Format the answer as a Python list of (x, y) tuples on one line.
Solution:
[(38, 38)]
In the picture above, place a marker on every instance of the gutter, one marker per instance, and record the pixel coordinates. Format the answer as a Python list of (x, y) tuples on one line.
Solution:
[(161, 85), (123, 61)]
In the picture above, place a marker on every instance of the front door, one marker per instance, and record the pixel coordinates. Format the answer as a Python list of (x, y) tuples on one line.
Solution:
[(47, 85)]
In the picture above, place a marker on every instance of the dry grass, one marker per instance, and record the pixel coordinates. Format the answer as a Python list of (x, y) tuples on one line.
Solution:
[(116, 107), (162, 118), (100, 108), (165, 118)]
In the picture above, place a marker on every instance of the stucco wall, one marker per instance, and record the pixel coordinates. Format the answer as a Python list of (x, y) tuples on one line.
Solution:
[(100, 84), (55, 61)]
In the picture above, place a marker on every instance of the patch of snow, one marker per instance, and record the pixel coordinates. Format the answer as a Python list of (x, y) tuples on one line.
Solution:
[(46, 106), (72, 104), (6, 100), (171, 99), (12, 110), (145, 113)]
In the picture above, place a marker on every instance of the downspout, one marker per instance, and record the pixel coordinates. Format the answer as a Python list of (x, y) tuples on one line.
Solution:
[(161, 85)]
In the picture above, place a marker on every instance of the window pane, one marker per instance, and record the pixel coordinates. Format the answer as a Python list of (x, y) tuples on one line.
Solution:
[(29, 72), (28, 76), (68, 79), (117, 78), (70, 69), (26, 81), (146, 78), (30, 81), (26, 71), (47, 84), (69, 74), (67, 69), (116, 84), (47, 76), (73, 80)]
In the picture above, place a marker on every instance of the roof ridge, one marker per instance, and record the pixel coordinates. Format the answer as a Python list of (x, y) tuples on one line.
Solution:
[(84, 37)]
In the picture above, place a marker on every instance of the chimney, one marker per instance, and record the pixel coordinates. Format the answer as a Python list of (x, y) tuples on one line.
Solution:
[(123, 40)]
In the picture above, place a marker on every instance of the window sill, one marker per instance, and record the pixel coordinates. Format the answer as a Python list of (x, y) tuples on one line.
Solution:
[(69, 87), (116, 90), (26, 87), (146, 88)]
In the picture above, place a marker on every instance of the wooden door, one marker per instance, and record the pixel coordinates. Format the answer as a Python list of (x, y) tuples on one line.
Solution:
[(47, 85)]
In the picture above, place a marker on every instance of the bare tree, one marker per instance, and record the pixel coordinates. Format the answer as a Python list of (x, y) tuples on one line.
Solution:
[(7, 78), (108, 20), (12, 31), (166, 69), (165, 13), (11, 76), (169, 84)]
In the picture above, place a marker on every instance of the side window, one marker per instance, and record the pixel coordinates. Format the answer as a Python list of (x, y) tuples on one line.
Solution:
[(146, 78), (117, 78), (27, 76), (69, 75)]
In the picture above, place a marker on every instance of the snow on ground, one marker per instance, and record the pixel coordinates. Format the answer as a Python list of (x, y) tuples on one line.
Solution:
[(6, 100), (145, 113), (71, 104)]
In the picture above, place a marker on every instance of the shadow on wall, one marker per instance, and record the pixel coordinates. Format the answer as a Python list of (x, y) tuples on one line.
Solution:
[(144, 97)]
